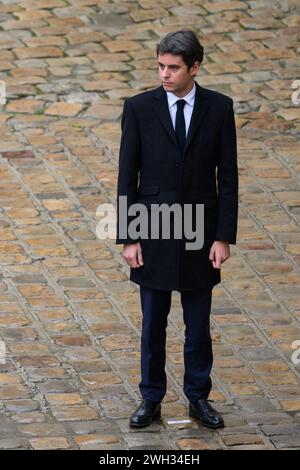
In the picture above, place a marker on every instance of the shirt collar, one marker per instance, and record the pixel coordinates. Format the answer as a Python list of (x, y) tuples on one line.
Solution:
[(189, 98)]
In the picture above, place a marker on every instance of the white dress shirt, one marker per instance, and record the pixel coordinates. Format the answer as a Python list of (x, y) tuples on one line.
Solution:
[(188, 107)]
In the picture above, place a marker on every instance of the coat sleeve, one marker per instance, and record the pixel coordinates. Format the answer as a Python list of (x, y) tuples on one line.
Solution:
[(227, 180), (129, 165)]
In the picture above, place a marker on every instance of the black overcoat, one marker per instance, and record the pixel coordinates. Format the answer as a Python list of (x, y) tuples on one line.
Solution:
[(152, 170)]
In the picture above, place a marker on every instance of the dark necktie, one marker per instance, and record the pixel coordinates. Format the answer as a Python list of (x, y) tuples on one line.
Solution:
[(180, 125)]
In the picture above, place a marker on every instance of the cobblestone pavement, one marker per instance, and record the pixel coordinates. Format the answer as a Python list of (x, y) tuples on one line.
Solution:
[(70, 319)]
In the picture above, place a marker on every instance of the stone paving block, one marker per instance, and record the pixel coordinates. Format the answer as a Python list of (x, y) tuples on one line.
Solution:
[(74, 413), (286, 442), (20, 405), (49, 443), (28, 417), (13, 444), (69, 317)]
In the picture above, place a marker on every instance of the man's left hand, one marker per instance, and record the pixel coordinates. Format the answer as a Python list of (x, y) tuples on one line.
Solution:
[(219, 253)]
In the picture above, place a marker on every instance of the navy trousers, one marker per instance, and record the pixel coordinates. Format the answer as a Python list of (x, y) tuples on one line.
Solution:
[(198, 357)]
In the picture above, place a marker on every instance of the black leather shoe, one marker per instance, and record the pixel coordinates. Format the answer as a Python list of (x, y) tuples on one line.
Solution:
[(147, 412), (206, 414)]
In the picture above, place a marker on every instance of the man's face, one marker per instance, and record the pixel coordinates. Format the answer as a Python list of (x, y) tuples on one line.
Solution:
[(174, 73)]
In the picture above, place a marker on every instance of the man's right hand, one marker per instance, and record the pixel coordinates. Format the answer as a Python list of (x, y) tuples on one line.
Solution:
[(132, 253)]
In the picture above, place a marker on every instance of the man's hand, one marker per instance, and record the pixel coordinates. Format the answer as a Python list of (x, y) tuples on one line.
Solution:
[(219, 253), (132, 253)]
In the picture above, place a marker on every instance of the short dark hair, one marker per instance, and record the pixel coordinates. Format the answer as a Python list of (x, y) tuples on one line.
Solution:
[(184, 43)]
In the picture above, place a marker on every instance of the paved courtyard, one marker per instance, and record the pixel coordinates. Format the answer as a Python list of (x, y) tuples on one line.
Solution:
[(69, 318)]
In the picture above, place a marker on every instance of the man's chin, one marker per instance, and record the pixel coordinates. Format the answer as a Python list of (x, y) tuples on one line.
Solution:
[(168, 86)]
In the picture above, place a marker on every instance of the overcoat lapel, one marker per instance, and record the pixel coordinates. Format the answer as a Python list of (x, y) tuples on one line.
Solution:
[(201, 106), (160, 104)]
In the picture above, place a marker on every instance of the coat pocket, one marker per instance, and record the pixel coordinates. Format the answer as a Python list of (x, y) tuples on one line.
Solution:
[(196, 197), (209, 202), (147, 190)]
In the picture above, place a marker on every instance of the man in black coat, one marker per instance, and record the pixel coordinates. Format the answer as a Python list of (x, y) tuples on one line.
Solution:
[(178, 150)]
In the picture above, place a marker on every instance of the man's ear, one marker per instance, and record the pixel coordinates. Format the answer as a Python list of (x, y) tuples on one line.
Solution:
[(195, 68)]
